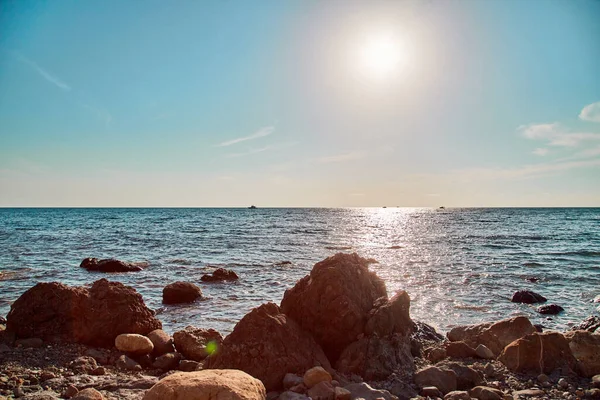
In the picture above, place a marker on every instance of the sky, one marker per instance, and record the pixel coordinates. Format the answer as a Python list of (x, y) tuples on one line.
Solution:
[(300, 103)]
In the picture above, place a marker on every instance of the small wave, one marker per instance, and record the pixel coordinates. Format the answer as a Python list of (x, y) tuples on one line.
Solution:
[(582, 253), (471, 307), (181, 261), (532, 264), (395, 247), (338, 247)]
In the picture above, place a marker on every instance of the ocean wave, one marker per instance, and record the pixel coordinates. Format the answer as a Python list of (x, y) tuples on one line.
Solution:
[(338, 247), (582, 253), (532, 264)]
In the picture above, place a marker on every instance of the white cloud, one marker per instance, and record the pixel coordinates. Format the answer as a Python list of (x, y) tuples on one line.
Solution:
[(556, 134), (591, 112), (354, 155), (262, 132), (262, 149), (45, 74), (541, 151)]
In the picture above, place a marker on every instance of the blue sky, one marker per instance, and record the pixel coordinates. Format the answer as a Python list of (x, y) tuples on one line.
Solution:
[(231, 103)]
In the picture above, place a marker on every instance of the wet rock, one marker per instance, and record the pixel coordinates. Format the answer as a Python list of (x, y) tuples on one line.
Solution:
[(206, 385), (134, 344), (196, 343), (364, 391), (443, 379), (483, 352), (188, 365), (31, 343), (590, 324), (162, 342), (374, 358), (457, 395), (88, 394), (110, 265), (95, 316), (539, 353), (220, 275), (585, 347), (267, 344), (459, 350), (333, 302), (486, 393), (550, 309), (181, 292), (322, 391), (314, 376), (167, 361), (527, 297), (126, 363), (495, 336)]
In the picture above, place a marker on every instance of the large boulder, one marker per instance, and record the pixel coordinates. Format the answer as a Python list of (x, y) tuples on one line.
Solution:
[(94, 316), (180, 292), (391, 316), (495, 336), (585, 347), (267, 344), (111, 265), (197, 343), (539, 353), (208, 385), (375, 358), (333, 302), (220, 275)]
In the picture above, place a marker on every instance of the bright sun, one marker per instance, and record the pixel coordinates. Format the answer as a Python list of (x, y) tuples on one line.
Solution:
[(382, 56)]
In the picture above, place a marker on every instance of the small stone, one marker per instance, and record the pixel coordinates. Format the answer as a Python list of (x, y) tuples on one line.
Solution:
[(595, 381), (542, 378), (341, 393), (486, 393), (316, 375), (126, 363), (482, 351), (580, 392), (529, 393), (300, 388), (70, 391), (593, 393), (98, 371), (431, 391), (188, 365), (167, 361), (88, 394), (457, 395), (44, 376), (134, 344), (323, 390), (163, 343), (291, 380), (292, 396)]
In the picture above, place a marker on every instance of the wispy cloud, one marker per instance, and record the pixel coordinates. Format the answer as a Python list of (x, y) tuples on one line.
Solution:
[(262, 149), (262, 132), (353, 155), (45, 74), (556, 134), (591, 112)]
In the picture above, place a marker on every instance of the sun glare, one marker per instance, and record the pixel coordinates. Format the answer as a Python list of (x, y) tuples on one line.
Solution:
[(382, 56)]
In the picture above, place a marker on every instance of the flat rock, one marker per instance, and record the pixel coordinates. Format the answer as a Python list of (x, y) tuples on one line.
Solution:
[(110, 265), (528, 393)]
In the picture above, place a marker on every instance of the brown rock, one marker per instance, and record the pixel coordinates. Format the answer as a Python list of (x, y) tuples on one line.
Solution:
[(528, 393), (362, 390), (181, 292), (83, 364), (457, 395), (134, 344), (527, 297), (466, 377), (375, 358), (539, 353), (70, 391), (431, 391), (161, 341), (342, 394), (486, 393), (95, 316), (495, 336), (167, 361), (189, 365), (196, 343), (391, 317), (220, 275), (207, 385), (445, 380), (322, 391), (483, 352), (267, 344), (315, 375), (435, 354), (590, 324), (460, 350), (291, 380), (88, 394), (110, 265), (334, 301), (585, 346), (31, 343)]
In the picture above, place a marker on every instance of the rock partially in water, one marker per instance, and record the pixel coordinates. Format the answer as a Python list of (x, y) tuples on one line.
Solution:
[(180, 292), (333, 302), (550, 309), (590, 324), (94, 316), (110, 265), (527, 297), (267, 344), (220, 275), (207, 385)]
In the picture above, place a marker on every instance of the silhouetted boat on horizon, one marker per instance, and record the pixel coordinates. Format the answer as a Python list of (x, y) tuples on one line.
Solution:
[(252, 207)]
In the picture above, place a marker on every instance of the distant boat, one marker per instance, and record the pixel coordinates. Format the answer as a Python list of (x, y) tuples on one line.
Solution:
[(252, 207), (384, 206), (442, 207)]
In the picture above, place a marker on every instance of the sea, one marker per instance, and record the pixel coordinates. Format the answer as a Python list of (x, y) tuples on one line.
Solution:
[(459, 265)]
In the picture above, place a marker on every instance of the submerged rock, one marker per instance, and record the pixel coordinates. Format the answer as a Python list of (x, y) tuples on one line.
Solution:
[(527, 297), (94, 316), (220, 275), (333, 302), (180, 292), (550, 309), (267, 344), (207, 385), (110, 265)]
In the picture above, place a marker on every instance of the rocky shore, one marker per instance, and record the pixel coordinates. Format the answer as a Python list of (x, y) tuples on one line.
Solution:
[(336, 335)]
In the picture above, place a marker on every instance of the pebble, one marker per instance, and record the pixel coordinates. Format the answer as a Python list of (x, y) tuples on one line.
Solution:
[(71, 391), (562, 382), (543, 378), (579, 392)]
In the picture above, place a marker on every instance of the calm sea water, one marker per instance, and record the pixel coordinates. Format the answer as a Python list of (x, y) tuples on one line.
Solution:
[(459, 266)]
